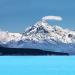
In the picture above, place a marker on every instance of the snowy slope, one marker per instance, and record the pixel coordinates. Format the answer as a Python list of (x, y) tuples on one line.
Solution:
[(41, 36)]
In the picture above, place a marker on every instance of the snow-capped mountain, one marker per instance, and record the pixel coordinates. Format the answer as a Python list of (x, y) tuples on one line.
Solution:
[(41, 36)]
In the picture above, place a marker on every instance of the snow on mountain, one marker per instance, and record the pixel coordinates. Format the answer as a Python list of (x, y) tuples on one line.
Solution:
[(41, 36)]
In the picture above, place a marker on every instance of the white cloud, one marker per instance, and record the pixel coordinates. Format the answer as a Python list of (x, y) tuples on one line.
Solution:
[(58, 18)]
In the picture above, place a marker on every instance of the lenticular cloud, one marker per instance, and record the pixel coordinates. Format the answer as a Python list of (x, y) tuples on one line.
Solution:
[(58, 18)]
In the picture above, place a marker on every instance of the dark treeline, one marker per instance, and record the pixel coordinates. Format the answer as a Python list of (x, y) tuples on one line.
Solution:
[(27, 51)]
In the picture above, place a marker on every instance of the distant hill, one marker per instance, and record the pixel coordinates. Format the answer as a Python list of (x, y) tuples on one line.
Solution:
[(27, 51)]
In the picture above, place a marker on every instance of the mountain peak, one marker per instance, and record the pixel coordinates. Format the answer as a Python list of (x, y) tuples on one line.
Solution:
[(42, 26), (39, 27)]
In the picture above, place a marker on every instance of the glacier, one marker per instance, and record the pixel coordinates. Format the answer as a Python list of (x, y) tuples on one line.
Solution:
[(41, 35)]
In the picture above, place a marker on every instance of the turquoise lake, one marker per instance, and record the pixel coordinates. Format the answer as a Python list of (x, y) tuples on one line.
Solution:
[(37, 65)]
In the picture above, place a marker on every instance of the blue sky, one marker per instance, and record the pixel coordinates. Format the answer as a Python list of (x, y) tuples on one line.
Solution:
[(16, 15)]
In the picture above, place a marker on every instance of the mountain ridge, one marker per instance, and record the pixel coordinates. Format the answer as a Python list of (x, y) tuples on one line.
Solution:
[(41, 36)]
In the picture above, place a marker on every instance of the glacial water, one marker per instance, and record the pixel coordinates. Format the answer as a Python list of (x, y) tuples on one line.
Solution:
[(37, 65)]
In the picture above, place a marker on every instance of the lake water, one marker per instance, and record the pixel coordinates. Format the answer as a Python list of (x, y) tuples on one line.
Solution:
[(37, 65)]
